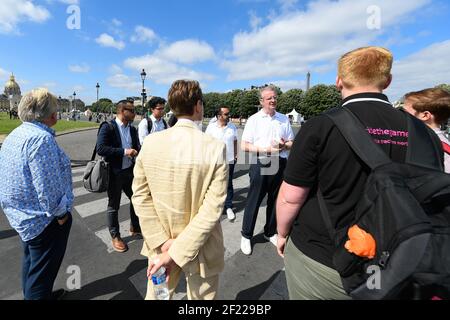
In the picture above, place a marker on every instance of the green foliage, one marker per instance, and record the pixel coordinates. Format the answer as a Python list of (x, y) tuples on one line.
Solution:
[(104, 106), (444, 86), (290, 100), (319, 99)]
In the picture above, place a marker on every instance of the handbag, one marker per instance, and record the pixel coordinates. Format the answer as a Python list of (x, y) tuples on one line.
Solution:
[(96, 174)]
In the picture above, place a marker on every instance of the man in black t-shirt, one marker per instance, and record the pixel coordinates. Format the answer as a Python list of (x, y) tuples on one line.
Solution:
[(321, 157)]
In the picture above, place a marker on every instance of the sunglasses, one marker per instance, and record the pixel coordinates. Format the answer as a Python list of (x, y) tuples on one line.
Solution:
[(225, 114), (159, 109)]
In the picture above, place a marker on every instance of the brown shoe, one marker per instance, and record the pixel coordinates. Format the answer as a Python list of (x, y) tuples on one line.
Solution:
[(135, 232), (119, 245)]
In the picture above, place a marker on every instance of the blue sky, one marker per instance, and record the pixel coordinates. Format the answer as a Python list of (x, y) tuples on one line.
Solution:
[(225, 45)]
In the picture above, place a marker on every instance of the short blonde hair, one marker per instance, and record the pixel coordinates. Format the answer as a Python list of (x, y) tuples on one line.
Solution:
[(368, 66), (37, 105), (183, 96)]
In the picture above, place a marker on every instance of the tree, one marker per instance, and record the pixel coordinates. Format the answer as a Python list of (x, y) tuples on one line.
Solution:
[(211, 102), (290, 100), (320, 98), (103, 105), (444, 86)]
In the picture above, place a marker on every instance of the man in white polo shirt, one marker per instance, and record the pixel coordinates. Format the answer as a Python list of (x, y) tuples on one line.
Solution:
[(226, 131), (268, 136)]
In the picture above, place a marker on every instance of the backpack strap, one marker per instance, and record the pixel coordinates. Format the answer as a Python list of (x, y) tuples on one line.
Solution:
[(420, 151), (166, 126), (149, 125), (359, 140)]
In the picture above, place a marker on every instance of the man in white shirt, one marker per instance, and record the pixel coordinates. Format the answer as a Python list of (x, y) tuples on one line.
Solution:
[(155, 122), (224, 130), (268, 136), (432, 106)]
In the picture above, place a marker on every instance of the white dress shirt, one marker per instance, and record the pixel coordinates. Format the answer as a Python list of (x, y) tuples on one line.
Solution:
[(263, 131), (227, 135)]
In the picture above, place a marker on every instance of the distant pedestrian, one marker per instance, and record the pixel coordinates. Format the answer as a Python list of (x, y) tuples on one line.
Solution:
[(36, 192)]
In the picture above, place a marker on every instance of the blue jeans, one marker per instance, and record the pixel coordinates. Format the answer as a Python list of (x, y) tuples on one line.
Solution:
[(43, 256), (230, 191)]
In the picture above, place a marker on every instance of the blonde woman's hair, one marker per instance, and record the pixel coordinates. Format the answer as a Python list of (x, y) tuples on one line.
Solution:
[(37, 105), (368, 66)]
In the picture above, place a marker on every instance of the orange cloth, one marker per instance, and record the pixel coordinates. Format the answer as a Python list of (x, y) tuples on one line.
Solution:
[(361, 243)]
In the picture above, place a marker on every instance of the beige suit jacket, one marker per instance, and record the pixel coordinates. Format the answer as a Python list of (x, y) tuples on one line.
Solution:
[(179, 190)]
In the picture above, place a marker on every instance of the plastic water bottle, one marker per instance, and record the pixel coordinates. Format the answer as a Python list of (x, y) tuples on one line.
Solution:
[(160, 286)]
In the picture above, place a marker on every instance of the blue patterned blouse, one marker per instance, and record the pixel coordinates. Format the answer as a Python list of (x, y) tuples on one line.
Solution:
[(36, 179)]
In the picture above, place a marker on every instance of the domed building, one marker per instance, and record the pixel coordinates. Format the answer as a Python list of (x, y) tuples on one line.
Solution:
[(10, 99)]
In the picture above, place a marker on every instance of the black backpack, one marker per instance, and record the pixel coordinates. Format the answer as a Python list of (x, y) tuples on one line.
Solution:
[(150, 125), (406, 208)]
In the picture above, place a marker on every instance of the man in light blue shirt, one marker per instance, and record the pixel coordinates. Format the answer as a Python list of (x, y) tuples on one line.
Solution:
[(36, 192)]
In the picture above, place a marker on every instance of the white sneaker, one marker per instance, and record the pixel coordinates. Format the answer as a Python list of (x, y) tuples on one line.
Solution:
[(272, 239), (230, 214), (246, 246)]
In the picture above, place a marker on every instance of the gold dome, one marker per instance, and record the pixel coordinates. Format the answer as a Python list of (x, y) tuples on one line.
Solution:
[(11, 87)]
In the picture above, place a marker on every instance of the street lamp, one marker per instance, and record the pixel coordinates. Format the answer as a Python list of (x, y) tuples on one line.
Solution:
[(144, 95), (98, 87)]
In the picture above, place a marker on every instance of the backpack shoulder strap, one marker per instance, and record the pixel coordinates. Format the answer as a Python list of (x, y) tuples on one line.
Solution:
[(149, 125), (420, 151), (165, 124), (358, 138)]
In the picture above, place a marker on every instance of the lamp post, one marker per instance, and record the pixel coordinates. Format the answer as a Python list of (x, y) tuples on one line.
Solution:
[(144, 95), (74, 102), (98, 87)]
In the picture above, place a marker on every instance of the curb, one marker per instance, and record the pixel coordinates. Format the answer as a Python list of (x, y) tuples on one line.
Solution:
[(58, 134)]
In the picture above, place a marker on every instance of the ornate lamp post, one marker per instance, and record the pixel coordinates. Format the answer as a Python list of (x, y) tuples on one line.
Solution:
[(98, 87), (74, 101), (144, 95)]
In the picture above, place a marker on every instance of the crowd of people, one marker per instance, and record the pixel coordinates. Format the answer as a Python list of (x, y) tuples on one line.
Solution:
[(180, 180)]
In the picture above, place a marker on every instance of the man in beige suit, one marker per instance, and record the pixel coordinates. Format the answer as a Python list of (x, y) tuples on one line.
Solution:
[(179, 190)]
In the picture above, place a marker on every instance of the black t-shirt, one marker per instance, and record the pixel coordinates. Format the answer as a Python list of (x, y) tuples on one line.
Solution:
[(321, 154)]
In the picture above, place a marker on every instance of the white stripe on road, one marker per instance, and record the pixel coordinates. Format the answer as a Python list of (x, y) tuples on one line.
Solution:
[(78, 192), (98, 206), (77, 179), (78, 170)]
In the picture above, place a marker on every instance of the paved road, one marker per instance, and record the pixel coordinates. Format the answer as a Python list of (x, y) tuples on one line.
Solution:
[(106, 274)]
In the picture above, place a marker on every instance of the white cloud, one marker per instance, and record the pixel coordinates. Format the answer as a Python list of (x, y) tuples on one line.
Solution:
[(49, 85), (424, 69), (255, 21), (105, 40), (287, 5), (83, 68), (4, 75), (187, 51), (286, 85), (116, 22), (13, 12), (143, 34), (162, 71), (295, 42), (123, 81), (115, 69)]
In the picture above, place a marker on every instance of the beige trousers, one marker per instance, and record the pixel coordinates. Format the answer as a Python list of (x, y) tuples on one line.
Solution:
[(197, 288)]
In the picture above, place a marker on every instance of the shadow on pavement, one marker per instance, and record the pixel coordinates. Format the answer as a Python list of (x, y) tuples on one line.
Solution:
[(117, 283), (8, 234), (256, 292)]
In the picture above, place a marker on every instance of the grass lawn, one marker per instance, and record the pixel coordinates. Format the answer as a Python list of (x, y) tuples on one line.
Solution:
[(6, 125)]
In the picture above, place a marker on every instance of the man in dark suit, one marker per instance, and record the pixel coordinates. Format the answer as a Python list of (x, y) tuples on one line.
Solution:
[(120, 147)]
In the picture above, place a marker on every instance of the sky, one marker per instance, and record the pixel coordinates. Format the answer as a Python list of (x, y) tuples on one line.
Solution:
[(70, 45)]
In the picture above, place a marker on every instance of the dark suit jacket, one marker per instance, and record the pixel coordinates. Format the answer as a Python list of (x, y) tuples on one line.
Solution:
[(109, 145)]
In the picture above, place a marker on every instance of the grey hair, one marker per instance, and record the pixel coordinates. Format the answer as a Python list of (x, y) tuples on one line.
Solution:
[(37, 105), (267, 88)]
